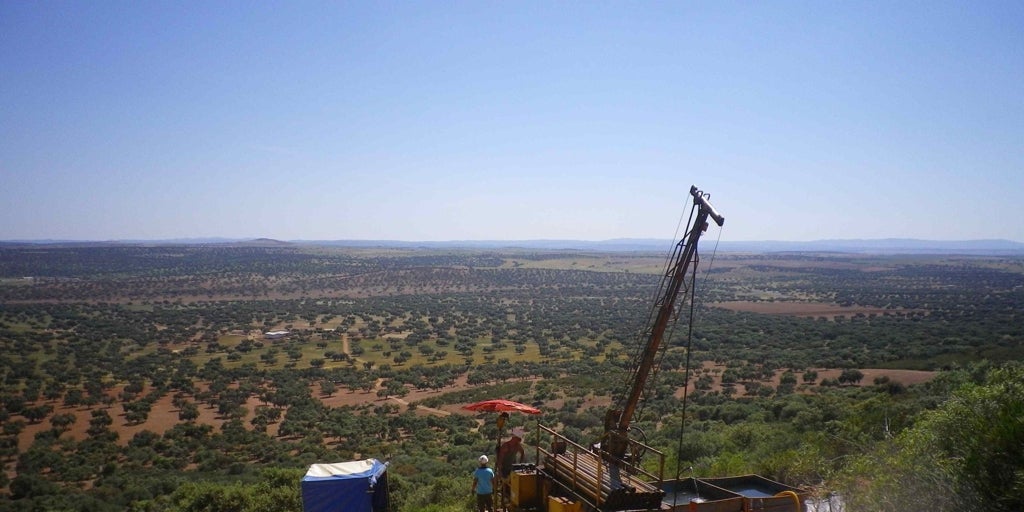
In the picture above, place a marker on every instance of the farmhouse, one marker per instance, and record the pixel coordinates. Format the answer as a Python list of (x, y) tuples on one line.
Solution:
[(275, 335)]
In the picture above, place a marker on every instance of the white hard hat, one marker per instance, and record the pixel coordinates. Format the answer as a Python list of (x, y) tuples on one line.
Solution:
[(483, 459)]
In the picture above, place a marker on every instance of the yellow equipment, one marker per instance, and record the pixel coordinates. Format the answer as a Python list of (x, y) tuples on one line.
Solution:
[(525, 488)]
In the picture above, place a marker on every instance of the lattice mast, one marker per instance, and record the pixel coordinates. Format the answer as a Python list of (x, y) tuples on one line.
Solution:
[(615, 441)]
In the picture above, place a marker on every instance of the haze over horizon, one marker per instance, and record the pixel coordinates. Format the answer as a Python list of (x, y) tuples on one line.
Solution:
[(525, 121)]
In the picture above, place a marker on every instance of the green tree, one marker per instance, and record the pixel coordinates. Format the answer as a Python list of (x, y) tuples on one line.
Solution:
[(327, 388), (13, 428), (966, 455), (188, 411), (62, 422), (36, 413), (74, 397), (27, 486), (851, 376), (275, 490), (13, 403), (444, 494), (99, 423)]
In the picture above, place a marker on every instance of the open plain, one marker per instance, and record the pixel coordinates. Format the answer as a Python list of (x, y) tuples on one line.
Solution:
[(129, 367)]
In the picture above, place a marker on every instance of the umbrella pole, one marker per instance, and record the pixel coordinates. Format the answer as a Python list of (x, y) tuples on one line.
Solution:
[(502, 418)]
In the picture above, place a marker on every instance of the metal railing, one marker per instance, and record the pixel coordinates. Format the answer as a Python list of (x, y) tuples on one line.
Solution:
[(600, 482)]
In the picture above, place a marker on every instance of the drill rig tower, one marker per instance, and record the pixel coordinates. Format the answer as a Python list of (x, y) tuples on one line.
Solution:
[(615, 442), (609, 476)]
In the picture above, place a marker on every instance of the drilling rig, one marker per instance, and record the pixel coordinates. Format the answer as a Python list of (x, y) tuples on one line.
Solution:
[(609, 475), (615, 444)]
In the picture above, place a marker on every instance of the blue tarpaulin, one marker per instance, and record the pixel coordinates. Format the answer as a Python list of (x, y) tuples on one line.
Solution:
[(356, 486)]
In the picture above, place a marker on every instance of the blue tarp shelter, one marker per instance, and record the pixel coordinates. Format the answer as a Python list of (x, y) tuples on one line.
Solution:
[(356, 486)]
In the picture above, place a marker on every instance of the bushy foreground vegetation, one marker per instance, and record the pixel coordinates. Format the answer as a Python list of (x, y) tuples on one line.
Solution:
[(138, 378)]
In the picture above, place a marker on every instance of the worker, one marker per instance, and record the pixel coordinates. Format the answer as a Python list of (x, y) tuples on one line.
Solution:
[(483, 486), (510, 453)]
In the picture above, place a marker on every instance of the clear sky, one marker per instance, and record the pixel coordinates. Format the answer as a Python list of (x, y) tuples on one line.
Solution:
[(478, 120)]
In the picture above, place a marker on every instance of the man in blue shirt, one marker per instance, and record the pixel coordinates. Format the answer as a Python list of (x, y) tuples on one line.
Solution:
[(483, 486)]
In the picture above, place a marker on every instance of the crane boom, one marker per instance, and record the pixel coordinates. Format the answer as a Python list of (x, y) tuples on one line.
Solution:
[(617, 421)]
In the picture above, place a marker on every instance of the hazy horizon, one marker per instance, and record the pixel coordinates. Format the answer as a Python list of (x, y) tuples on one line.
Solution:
[(525, 121), (707, 240)]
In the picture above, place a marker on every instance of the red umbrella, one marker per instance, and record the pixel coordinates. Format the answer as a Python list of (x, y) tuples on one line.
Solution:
[(500, 405)]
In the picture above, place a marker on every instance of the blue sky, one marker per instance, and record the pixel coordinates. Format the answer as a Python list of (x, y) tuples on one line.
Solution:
[(510, 120)]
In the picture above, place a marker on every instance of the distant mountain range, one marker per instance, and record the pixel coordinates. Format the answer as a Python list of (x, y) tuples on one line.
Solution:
[(871, 246), (882, 246)]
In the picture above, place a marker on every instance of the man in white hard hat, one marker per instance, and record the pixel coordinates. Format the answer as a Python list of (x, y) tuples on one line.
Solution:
[(483, 486)]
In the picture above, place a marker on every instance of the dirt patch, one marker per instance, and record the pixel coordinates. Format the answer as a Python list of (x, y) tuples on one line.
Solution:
[(345, 397), (905, 377), (162, 417)]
